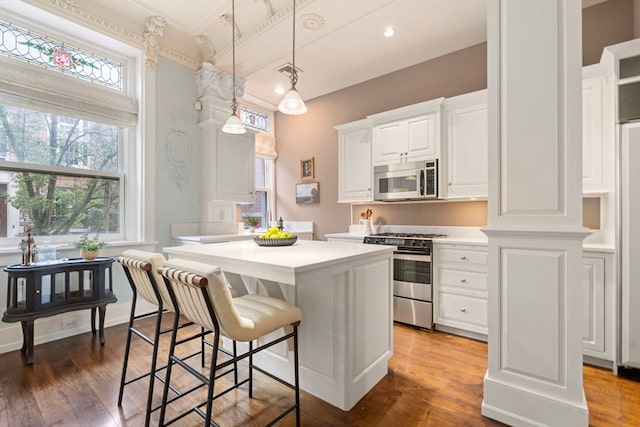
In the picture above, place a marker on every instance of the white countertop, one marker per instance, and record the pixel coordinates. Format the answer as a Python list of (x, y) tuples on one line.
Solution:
[(358, 237), (302, 256), (218, 238)]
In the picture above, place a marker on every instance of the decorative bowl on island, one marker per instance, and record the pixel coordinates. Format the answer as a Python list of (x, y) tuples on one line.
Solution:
[(287, 241), (274, 237)]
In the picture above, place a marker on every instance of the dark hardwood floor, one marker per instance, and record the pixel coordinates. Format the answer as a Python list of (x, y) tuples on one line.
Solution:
[(435, 379)]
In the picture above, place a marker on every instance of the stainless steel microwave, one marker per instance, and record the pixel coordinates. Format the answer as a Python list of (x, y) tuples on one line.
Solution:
[(406, 181)]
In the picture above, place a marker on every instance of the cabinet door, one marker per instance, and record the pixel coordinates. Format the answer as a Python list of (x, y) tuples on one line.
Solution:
[(422, 143), (593, 306), (630, 207), (592, 135), (235, 161), (467, 158), (389, 142), (355, 171)]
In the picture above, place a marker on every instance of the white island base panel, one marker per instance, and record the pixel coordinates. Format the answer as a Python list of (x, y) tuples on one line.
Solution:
[(345, 294)]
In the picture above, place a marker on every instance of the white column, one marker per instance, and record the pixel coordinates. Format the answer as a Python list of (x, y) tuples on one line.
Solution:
[(535, 232), (215, 91)]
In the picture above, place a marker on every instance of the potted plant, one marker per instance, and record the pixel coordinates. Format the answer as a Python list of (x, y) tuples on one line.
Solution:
[(252, 221), (89, 248)]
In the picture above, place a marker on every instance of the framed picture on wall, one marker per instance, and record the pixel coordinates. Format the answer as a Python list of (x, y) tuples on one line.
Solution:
[(307, 169), (307, 193)]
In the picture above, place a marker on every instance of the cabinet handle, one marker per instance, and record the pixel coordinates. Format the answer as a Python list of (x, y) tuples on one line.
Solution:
[(450, 184), (463, 257), (463, 280), (464, 310)]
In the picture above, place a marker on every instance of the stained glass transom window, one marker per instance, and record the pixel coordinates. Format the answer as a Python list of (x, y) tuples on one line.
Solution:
[(58, 56), (254, 120)]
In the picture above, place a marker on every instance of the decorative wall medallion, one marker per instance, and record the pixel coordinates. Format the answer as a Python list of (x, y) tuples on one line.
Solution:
[(179, 150)]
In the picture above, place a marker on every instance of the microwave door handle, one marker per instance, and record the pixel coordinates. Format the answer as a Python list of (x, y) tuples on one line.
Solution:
[(422, 189)]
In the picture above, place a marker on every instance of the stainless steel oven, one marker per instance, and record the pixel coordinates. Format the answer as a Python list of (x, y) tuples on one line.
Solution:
[(412, 276)]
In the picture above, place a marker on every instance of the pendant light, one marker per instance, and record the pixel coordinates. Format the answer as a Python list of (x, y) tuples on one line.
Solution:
[(292, 103), (233, 123)]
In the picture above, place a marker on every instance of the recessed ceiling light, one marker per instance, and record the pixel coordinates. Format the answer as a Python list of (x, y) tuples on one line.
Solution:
[(279, 90), (389, 32)]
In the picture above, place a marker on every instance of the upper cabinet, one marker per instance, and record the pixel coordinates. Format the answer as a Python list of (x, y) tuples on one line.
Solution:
[(407, 134), (466, 136), (598, 132), (355, 171), (228, 164)]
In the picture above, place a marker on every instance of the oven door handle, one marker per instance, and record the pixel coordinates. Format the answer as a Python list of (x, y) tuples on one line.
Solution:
[(411, 257)]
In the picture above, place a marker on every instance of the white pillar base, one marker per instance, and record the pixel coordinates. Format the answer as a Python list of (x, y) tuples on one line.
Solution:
[(520, 407)]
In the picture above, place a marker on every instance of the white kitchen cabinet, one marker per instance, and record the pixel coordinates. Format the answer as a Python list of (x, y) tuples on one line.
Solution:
[(460, 289), (407, 134), (227, 164), (355, 171), (466, 140), (630, 244), (598, 132), (593, 305), (598, 308)]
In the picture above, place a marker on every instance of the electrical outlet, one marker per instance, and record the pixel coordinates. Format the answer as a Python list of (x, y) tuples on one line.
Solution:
[(69, 324)]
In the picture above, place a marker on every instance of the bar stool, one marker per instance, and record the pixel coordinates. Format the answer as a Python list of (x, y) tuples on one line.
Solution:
[(141, 267), (201, 293)]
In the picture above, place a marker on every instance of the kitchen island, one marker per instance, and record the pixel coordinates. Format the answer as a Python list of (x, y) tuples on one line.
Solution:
[(345, 293)]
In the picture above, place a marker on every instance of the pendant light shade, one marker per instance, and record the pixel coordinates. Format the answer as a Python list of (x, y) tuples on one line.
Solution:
[(292, 102), (233, 123)]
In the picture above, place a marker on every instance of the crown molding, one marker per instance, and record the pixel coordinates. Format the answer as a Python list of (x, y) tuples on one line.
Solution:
[(71, 10)]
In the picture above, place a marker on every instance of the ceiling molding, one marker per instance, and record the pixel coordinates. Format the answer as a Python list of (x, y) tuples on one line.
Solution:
[(72, 11)]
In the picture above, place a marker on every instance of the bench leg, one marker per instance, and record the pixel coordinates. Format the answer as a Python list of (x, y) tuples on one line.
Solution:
[(93, 320), (103, 312), (27, 340)]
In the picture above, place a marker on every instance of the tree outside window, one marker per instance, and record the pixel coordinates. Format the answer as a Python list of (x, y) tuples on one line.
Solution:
[(61, 173)]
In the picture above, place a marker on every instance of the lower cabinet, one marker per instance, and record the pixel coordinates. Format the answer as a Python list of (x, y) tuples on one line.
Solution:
[(460, 297), (598, 306)]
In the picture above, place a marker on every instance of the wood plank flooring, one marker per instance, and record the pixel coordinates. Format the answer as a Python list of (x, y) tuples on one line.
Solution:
[(435, 379)]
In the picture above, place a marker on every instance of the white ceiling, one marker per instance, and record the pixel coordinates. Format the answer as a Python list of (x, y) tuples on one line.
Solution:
[(339, 43)]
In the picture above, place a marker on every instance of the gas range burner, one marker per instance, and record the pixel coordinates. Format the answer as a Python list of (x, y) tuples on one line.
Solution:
[(409, 235)]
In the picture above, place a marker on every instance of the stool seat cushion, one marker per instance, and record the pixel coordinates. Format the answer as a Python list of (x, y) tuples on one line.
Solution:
[(261, 315), (245, 318)]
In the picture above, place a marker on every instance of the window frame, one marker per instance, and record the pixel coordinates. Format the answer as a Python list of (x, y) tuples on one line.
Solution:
[(135, 156)]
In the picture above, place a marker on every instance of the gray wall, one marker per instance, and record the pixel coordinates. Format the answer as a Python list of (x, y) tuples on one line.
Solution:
[(177, 149)]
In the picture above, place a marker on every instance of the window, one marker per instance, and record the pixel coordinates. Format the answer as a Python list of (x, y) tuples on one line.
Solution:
[(69, 137), (261, 208), (254, 120), (61, 174)]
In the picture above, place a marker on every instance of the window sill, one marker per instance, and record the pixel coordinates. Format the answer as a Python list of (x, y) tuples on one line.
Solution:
[(12, 255)]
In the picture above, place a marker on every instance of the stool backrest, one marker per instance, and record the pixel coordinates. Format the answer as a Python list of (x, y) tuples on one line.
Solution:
[(192, 284), (143, 268)]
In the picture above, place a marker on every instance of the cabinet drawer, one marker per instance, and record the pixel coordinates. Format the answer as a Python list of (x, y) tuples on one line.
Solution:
[(463, 312), (463, 257), (465, 279)]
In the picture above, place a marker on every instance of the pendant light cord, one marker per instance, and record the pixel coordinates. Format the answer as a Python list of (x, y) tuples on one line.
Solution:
[(234, 105), (294, 73)]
